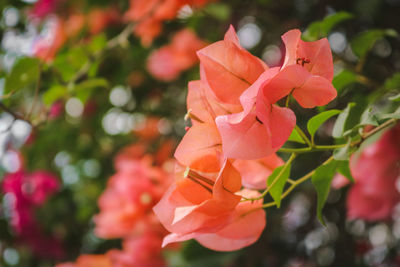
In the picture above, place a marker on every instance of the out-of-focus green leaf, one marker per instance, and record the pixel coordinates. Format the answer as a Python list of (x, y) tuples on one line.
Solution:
[(97, 43), (395, 98), (315, 122), (344, 169), (84, 89), (343, 79), (53, 94), (342, 153), (394, 115), (295, 137), (321, 180), (277, 189), (364, 41), (340, 123), (393, 83), (368, 118), (321, 29), (69, 62), (219, 11), (24, 72)]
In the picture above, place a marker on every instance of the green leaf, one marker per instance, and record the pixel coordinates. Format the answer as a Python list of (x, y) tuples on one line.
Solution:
[(320, 29), (321, 180), (395, 98), (340, 123), (342, 153), (53, 94), (394, 115), (295, 137), (24, 72), (343, 79), (365, 41), (315, 122), (84, 89), (393, 83), (219, 11), (344, 169), (97, 43), (368, 118), (277, 189)]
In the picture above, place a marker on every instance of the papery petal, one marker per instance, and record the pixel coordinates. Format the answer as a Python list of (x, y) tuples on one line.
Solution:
[(231, 36), (279, 121), (229, 69), (307, 89), (316, 91), (248, 139), (361, 205), (318, 53), (291, 40), (246, 228), (254, 173), (199, 148), (202, 103), (339, 181), (180, 216)]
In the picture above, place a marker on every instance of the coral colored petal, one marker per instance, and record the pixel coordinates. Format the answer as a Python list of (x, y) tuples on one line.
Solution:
[(244, 231), (320, 56), (229, 69), (254, 173), (202, 103), (231, 36), (291, 40), (284, 83), (279, 121), (316, 91), (339, 181), (248, 139), (199, 148)]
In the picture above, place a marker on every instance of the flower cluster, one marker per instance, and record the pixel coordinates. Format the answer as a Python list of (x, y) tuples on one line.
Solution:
[(26, 192), (237, 126), (126, 211), (169, 61), (376, 172), (150, 14)]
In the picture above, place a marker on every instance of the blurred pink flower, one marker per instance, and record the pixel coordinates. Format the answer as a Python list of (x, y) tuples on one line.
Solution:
[(169, 61), (28, 191), (376, 171), (129, 198), (43, 7)]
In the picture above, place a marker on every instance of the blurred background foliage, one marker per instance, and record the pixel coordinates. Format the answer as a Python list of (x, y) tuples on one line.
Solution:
[(106, 107)]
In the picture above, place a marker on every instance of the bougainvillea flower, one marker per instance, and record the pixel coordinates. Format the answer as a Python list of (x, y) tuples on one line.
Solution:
[(202, 103), (130, 195), (200, 201), (89, 261), (46, 47), (261, 128), (199, 148), (73, 24), (141, 251), (43, 7), (99, 19), (315, 57), (245, 227), (228, 68), (29, 191), (255, 172), (169, 61), (376, 171)]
